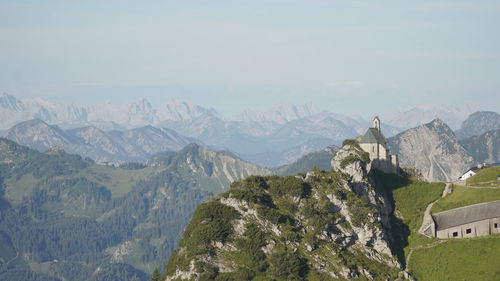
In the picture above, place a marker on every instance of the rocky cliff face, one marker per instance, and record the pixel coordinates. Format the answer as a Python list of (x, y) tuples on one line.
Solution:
[(321, 226), (206, 169), (478, 123), (433, 149), (484, 148)]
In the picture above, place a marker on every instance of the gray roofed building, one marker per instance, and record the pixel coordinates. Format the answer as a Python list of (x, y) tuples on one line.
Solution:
[(373, 135), (469, 221), (374, 142), (467, 214)]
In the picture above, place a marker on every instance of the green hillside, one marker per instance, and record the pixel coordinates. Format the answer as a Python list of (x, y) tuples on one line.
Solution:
[(273, 243), (66, 218), (463, 196), (458, 259), (409, 198), (486, 177)]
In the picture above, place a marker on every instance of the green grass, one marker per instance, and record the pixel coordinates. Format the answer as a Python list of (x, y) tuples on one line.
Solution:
[(488, 174), (16, 189), (460, 259), (464, 196), (412, 199), (409, 198), (118, 181), (485, 177)]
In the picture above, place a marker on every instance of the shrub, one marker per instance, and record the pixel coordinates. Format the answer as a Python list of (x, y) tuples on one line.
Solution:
[(287, 265), (288, 185), (348, 160), (352, 142), (272, 215), (211, 222)]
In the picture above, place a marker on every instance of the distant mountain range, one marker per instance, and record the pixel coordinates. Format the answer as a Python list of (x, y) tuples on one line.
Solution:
[(413, 116), (273, 138), (113, 146)]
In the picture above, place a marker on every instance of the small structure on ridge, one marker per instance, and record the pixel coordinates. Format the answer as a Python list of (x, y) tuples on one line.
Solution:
[(375, 144)]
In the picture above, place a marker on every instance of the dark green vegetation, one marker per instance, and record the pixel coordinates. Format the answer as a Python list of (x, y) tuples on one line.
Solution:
[(66, 218), (463, 196), (360, 154), (294, 250), (457, 260)]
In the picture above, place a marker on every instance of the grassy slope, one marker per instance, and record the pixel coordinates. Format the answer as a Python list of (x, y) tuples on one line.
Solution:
[(464, 196), (118, 181), (485, 177), (410, 198), (455, 259), (464, 259)]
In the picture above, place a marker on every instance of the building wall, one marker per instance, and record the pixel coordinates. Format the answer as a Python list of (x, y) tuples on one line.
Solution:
[(371, 148), (495, 225), (479, 228), (467, 175), (395, 162), (382, 152)]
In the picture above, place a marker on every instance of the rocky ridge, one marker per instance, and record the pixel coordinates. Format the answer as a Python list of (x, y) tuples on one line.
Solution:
[(320, 225), (433, 149), (484, 148), (478, 123)]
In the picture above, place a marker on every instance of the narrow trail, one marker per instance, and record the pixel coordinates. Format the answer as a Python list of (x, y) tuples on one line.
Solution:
[(427, 219), (462, 183), (17, 255)]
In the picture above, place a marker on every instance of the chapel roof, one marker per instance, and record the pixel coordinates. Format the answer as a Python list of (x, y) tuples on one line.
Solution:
[(467, 214), (373, 135)]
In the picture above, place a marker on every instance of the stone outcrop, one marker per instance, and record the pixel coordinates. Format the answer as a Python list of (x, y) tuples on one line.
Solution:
[(335, 224), (484, 148), (433, 149)]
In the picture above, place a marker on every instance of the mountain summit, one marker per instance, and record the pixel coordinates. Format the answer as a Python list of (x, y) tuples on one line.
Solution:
[(433, 149), (320, 226)]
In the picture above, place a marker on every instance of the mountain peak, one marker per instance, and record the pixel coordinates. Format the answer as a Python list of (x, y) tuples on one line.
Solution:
[(433, 149), (285, 228), (281, 113), (479, 122), (10, 102)]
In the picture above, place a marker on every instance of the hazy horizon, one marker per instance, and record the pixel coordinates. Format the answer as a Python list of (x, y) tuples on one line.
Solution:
[(347, 57)]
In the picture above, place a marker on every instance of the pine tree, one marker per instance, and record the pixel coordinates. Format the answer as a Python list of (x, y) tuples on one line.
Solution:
[(156, 275)]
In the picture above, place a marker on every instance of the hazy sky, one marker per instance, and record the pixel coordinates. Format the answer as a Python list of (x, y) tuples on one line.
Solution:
[(345, 56)]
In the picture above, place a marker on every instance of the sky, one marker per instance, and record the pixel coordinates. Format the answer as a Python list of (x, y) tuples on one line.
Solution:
[(350, 57)]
